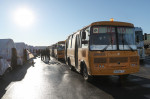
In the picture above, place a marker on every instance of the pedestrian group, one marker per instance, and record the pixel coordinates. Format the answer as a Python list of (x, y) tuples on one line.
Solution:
[(45, 54)]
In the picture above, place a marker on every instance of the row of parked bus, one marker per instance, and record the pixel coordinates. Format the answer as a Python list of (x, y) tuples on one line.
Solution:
[(102, 48), (57, 50), (13, 54)]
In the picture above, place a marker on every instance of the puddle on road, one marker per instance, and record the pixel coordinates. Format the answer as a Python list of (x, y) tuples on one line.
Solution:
[(135, 80), (54, 63), (146, 85), (147, 96)]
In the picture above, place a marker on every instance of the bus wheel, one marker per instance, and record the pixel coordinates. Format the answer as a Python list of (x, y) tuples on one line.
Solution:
[(85, 74), (70, 66)]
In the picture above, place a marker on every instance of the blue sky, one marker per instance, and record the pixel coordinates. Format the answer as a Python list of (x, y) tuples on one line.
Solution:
[(54, 20)]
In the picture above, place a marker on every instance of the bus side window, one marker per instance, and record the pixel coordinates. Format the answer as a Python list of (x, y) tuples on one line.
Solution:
[(80, 39), (73, 41), (70, 42)]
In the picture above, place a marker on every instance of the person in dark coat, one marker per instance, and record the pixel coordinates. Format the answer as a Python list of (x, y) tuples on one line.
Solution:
[(42, 55), (48, 53), (45, 54)]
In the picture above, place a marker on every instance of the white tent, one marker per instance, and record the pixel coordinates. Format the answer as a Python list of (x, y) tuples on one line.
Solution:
[(20, 47), (4, 65), (6, 46)]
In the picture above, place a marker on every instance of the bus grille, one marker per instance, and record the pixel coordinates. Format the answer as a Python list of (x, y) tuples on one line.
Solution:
[(134, 59), (118, 59), (100, 60)]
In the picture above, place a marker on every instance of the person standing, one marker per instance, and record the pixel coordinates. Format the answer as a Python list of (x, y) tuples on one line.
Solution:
[(42, 55), (48, 54), (45, 54)]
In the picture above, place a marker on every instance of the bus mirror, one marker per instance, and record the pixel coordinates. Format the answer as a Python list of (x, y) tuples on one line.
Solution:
[(145, 36), (137, 39), (83, 35)]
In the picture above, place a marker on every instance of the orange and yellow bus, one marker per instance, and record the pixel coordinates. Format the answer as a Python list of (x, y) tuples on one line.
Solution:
[(59, 51), (103, 48)]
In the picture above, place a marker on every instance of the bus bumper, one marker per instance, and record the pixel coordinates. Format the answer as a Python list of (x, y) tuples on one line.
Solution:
[(117, 71)]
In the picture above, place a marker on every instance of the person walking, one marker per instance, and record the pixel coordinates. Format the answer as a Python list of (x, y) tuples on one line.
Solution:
[(45, 54), (42, 55), (48, 54)]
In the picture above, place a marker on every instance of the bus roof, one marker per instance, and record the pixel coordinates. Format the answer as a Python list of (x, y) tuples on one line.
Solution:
[(114, 23), (109, 23), (61, 42)]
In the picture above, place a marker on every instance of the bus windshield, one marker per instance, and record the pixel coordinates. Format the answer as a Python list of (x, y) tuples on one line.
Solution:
[(106, 38), (60, 47)]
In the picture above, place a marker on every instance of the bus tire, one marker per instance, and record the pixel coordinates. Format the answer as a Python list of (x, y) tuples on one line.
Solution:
[(81, 68), (85, 74), (70, 66)]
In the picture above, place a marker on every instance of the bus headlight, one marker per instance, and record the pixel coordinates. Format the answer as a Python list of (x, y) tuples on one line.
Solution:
[(133, 65), (100, 66), (103, 66)]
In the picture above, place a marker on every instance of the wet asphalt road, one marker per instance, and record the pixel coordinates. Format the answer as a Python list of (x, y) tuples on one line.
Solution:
[(54, 80)]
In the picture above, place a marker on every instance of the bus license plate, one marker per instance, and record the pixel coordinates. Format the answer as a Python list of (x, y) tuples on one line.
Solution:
[(119, 71)]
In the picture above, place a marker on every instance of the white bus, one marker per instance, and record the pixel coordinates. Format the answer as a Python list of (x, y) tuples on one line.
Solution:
[(140, 42)]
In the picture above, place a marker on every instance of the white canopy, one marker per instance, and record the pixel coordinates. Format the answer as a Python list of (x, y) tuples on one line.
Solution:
[(6, 46), (20, 47), (3, 66), (6, 43)]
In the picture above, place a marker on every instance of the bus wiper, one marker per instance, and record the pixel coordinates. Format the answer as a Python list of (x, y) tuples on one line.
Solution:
[(130, 47), (127, 44), (108, 44), (105, 48)]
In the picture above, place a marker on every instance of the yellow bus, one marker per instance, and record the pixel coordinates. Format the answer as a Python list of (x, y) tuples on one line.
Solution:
[(59, 50), (103, 48)]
